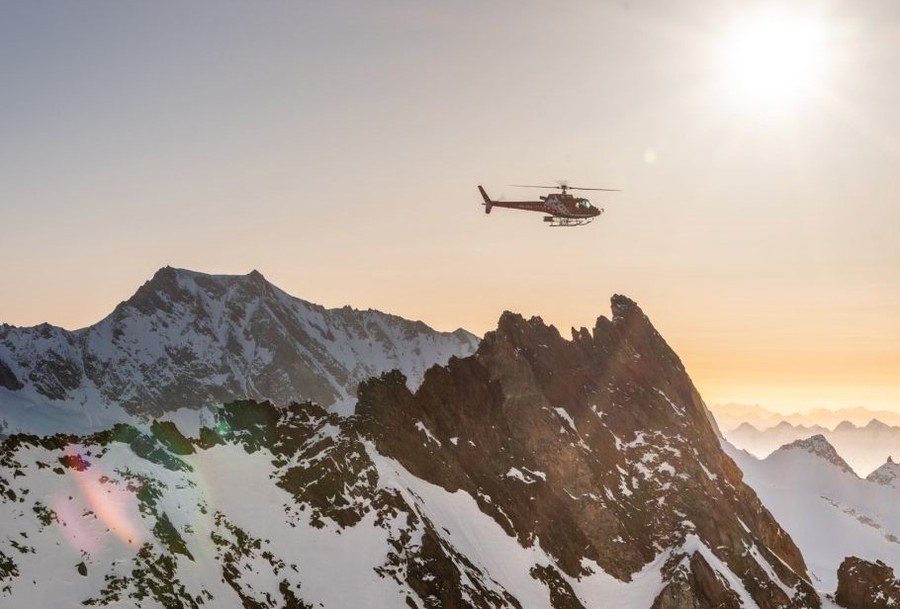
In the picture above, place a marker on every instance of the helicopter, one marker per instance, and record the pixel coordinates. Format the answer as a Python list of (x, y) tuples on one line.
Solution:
[(562, 209)]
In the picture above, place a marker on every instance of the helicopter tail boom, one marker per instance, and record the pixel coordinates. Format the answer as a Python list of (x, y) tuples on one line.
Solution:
[(488, 204)]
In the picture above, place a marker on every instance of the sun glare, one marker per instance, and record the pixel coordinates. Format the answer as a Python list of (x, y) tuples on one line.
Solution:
[(774, 61)]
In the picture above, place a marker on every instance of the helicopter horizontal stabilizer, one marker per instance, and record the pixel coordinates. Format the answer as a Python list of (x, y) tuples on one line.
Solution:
[(488, 204)]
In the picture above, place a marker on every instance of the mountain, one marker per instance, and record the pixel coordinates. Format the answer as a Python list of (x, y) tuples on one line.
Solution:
[(730, 416), (187, 339), (761, 442), (819, 447), (829, 511), (863, 447), (886, 475), (538, 472)]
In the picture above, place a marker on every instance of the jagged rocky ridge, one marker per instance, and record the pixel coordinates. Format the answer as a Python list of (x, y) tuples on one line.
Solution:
[(600, 451), (539, 472), (188, 339)]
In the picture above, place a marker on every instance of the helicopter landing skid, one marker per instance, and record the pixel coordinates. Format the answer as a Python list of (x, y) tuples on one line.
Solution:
[(560, 221)]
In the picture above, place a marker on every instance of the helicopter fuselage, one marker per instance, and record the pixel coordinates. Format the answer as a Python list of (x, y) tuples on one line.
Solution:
[(561, 209), (556, 205)]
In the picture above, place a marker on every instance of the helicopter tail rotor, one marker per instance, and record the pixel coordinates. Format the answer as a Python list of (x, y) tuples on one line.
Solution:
[(488, 204)]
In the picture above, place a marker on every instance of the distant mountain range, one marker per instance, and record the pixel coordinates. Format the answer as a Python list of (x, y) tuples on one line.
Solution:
[(864, 448), (188, 339), (730, 416)]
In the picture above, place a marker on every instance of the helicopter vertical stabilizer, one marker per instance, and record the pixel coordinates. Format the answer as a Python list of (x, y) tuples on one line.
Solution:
[(488, 204)]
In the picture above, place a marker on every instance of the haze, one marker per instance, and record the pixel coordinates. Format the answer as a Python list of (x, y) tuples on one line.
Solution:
[(336, 147)]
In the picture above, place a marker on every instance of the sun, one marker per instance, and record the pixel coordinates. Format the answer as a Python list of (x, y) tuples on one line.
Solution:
[(773, 62)]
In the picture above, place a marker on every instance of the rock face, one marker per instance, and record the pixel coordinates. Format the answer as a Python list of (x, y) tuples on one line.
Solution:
[(190, 339), (866, 585), (8, 379), (598, 450)]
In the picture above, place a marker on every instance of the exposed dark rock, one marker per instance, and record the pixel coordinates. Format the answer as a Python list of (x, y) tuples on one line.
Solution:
[(55, 375), (170, 436), (561, 594), (693, 584), (76, 462), (166, 532), (8, 379), (866, 585)]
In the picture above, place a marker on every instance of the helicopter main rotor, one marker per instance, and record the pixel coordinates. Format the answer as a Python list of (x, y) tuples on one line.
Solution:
[(565, 187)]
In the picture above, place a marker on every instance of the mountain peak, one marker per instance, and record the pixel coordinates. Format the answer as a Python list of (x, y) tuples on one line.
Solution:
[(628, 317), (746, 427), (845, 426), (154, 293), (819, 446), (519, 331), (886, 475), (170, 285), (623, 307), (876, 425)]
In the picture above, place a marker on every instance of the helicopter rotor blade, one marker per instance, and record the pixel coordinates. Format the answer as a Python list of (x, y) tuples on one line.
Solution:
[(564, 187)]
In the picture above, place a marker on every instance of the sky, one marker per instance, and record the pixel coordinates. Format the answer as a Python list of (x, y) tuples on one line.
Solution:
[(336, 147)]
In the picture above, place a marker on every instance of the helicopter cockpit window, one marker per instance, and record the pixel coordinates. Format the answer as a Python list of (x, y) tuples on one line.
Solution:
[(584, 203)]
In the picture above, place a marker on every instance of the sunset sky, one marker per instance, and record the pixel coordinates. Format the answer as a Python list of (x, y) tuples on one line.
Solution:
[(336, 147)]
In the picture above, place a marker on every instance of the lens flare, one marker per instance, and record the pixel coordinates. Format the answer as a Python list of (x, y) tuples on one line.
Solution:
[(106, 498)]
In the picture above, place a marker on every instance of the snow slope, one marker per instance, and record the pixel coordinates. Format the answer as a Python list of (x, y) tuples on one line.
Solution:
[(151, 519), (826, 508)]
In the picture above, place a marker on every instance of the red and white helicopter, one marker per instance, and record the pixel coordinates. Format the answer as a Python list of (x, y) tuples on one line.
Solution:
[(561, 208)]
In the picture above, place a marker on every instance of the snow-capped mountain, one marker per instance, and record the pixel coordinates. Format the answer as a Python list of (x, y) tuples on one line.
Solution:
[(864, 447), (539, 472), (828, 510), (886, 475), (188, 339)]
